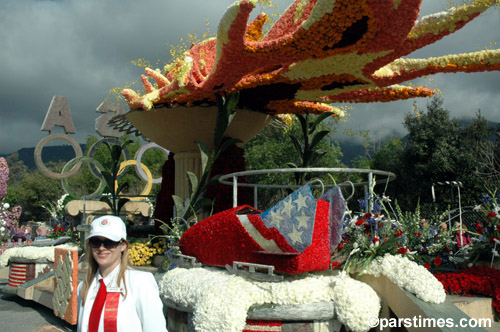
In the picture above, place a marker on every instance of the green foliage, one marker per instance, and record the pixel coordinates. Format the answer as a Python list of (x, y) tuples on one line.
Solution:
[(307, 146), (32, 190), (273, 148), (110, 176)]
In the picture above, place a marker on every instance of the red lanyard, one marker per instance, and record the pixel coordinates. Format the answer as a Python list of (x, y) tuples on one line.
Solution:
[(111, 309)]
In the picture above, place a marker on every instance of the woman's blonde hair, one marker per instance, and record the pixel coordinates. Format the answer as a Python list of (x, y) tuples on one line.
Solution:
[(93, 267)]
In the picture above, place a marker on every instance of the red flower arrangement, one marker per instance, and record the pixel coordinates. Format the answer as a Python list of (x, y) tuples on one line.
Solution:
[(316, 53), (222, 239), (473, 281), (359, 222)]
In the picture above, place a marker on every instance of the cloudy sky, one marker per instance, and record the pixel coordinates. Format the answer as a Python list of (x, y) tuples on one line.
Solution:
[(82, 49)]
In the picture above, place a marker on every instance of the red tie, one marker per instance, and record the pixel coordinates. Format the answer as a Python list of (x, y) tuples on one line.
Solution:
[(95, 313)]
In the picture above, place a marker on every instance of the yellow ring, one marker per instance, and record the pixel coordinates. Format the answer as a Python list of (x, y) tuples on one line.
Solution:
[(146, 170)]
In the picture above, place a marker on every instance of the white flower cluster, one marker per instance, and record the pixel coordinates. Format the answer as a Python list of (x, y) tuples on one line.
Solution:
[(410, 276), (433, 19), (356, 303), (56, 210), (220, 301), (60, 203), (32, 252), (449, 19)]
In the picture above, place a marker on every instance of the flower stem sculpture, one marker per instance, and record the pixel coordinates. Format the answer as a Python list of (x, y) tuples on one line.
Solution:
[(318, 53)]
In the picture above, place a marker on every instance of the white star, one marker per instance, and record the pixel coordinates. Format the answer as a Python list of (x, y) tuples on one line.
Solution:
[(287, 208), (295, 236), (303, 219), (275, 218), (301, 201)]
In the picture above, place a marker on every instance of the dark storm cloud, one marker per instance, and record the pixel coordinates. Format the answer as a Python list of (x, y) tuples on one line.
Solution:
[(81, 49)]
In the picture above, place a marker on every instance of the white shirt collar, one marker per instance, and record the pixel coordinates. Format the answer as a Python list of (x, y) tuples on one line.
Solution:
[(111, 279)]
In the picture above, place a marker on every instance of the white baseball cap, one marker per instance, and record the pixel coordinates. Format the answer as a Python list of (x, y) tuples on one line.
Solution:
[(110, 227)]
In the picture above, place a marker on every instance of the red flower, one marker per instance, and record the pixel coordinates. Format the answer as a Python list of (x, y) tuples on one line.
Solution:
[(375, 239), (367, 215), (359, 222), (497, 227), (417, 234), (479, 228), (447, 250), (399, 233), (335, 264), (437, 261), (491, 215), (340, 246), (427, 266), (403, 250)]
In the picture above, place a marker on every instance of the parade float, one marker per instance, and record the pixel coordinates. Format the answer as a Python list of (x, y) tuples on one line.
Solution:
[(316, 54)]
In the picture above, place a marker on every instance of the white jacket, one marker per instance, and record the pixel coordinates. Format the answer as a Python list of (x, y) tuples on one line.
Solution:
[(141, 310)]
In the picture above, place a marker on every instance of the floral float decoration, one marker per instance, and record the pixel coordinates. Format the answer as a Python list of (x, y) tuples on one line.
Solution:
[(476, 280), (317, 53), (9, 228)]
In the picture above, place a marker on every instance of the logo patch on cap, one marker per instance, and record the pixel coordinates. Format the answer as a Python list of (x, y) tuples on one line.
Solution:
[(105, 222)]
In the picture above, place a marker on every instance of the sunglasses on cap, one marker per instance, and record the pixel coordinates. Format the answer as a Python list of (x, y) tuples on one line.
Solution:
[(108, 244)]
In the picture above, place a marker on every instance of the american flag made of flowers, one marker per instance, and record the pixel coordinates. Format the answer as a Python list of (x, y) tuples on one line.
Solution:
[(294, 217)]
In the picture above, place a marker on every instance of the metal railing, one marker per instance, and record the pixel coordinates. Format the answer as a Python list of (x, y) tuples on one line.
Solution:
[(369, 183)]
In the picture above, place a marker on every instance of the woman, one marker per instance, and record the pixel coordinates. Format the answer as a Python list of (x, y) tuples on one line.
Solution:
[(113, 297)]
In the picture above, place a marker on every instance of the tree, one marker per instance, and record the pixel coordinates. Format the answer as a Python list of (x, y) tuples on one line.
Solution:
[(471, 142), (430, 153), (32, 190), (436, 150), (488, 162)]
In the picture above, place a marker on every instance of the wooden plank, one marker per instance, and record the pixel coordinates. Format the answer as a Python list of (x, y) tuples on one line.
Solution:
[(4, 272), (406, 305), (26, 290), (318, 311)]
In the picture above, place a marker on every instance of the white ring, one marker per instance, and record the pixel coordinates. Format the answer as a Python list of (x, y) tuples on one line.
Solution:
[(41, 166), (138, 158)]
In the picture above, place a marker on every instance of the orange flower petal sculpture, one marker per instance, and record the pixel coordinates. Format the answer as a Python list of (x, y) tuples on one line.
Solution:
[(319, 52)]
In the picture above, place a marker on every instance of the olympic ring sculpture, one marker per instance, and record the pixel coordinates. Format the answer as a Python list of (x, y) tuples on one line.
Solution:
[(41, 166), (96, 145), (65, 184), (74, 165), (149, 184), (138, 157)]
